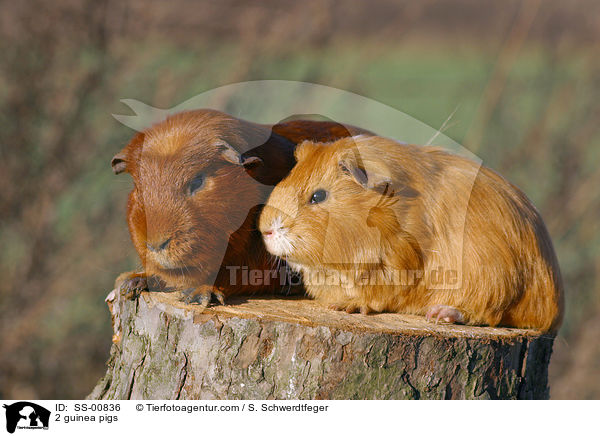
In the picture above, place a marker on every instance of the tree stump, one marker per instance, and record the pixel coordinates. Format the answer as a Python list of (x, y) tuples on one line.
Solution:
[(269, 348)]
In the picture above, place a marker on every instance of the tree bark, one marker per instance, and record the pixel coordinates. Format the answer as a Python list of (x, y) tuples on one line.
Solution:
[(267, 348)]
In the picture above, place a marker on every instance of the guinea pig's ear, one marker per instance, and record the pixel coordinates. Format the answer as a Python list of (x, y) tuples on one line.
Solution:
[(123, 160), (230, 154), (368, 179), (303, 150), (119, 162), (375, 177)]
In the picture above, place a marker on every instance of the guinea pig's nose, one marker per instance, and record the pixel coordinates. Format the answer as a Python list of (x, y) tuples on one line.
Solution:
[(268, 233), (159, 246)]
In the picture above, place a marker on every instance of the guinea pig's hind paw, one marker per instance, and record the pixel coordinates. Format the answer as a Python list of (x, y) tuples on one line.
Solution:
[(443, 313), (132, 287), (203, 296), (351, 307)]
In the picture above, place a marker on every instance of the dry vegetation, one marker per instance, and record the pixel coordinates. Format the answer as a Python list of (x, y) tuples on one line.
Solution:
[(524, 74)]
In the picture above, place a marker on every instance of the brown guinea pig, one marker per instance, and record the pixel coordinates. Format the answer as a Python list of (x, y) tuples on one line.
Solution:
[(374, 226), (200, 178)]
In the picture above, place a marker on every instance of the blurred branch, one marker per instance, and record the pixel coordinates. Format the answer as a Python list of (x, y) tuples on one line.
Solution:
[(506, 59)]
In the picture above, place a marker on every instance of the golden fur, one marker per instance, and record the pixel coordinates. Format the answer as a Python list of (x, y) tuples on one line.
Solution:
[(402, 211)]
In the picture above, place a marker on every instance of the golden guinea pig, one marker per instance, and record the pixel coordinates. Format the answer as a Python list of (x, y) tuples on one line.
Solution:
[(378, 226)]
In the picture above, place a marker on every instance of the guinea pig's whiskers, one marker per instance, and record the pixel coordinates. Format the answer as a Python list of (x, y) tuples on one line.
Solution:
[(288, 275), (287, 244)]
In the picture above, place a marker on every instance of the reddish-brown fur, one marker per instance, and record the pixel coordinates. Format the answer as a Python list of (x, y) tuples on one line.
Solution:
[(204, 232), (399, 208)]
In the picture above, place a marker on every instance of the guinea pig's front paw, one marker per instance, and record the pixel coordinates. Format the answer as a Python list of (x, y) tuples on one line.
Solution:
[(449, 314), (133, 286), (352, 306), (203, 295)]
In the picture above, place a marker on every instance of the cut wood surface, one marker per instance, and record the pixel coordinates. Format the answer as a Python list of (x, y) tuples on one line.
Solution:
[(295, 348)]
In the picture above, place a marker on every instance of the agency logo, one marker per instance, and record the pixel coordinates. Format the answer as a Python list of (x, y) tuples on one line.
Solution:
[(26, 415)]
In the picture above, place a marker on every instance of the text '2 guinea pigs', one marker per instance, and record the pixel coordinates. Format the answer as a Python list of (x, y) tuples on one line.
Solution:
[(200, 179), (374, 226)]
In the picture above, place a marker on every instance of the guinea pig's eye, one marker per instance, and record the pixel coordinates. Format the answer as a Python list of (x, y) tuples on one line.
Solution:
[(196, 183), (318, 196)]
